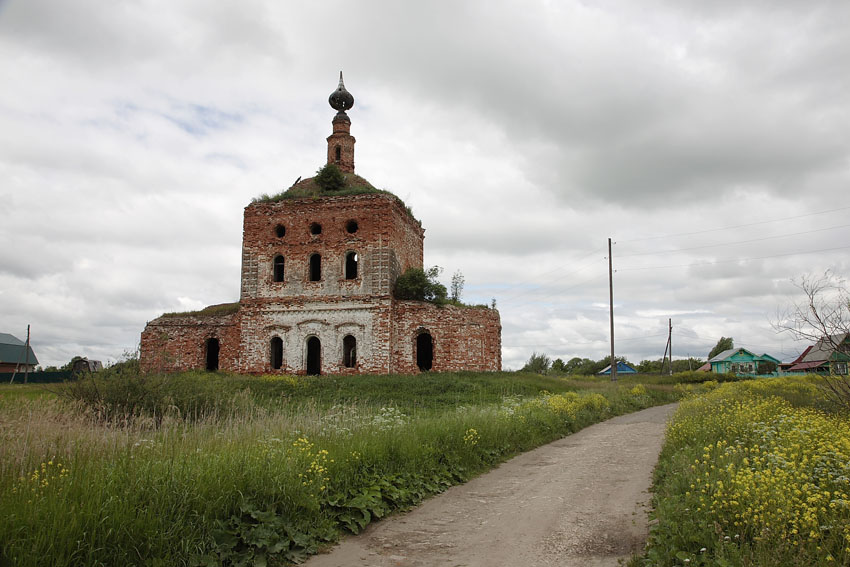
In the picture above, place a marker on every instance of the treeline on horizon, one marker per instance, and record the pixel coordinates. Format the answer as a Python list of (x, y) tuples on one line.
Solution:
[(542, 364)]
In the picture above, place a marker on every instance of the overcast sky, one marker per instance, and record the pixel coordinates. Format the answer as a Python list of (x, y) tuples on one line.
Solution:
[(709, 140)]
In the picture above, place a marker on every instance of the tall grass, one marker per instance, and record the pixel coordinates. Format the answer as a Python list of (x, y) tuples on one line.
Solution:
[(216, 470), (754, 473)]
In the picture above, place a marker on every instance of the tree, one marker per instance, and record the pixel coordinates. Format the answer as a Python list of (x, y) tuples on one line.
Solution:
[(559, 366), (457, 286), (330, 178), (421, 285), (822, 316), (725, 343), (537, 363), (574, 363)]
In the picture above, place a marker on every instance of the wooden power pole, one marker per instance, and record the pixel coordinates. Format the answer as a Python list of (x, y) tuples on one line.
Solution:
[(611, 302), (668, 348)]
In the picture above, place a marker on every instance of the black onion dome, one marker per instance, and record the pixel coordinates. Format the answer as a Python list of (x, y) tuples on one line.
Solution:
[(341, 99)]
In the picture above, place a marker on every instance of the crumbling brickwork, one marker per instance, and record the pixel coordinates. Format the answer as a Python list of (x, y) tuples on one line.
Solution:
[(316, 297)]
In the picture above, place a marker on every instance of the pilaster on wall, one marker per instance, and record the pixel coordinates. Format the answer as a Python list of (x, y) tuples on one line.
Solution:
[(249, 275)]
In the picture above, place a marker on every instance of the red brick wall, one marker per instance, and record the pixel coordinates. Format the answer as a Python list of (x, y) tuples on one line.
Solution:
[(387, 241), (342, 139), (464, 338), (179, 343)]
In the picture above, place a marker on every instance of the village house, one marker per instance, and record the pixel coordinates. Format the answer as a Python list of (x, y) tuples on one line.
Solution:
[(319, 268), (743, 362), (15, 355), (830, 355)]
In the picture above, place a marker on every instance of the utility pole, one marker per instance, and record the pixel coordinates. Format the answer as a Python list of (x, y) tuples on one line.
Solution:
[(27, 361), (670, 343), (611, 302), (668, 348)]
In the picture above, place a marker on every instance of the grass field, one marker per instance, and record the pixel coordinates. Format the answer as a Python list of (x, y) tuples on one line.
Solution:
[(754, 474), (217, 469)]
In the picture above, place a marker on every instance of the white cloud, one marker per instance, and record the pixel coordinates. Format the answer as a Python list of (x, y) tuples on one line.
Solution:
[(522, 135)]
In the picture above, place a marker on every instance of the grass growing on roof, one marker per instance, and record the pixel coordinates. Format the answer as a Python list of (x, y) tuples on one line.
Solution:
[(211, 311)]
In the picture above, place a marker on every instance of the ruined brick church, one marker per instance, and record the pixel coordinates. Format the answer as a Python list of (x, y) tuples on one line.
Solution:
[(319, 269)]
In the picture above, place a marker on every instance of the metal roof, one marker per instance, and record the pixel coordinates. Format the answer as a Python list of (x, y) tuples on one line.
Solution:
[(823, 349), (726, 354), (12, 350)]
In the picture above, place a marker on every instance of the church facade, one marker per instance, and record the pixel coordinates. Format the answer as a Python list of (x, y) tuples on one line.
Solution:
[(318, 274)]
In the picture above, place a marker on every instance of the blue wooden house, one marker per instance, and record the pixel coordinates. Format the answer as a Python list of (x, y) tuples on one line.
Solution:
[(622, 368)]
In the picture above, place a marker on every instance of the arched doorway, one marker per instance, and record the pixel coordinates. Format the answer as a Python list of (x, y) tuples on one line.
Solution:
[(277, 353), (212, 348), (349, 351), (314, 356), (424, 351)]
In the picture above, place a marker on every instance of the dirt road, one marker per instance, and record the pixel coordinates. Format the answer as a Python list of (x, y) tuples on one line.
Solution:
[(579, 501)]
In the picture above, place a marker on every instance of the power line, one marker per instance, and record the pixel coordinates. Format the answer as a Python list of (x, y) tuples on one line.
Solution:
[(521, 293), (735, 242), (737, 226), (559, 291), (734, 260)]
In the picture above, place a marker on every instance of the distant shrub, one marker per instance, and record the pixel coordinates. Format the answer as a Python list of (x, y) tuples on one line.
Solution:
[(537, 363)]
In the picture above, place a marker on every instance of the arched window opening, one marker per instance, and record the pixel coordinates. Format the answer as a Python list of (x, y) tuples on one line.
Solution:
[(351, 266), (315, 267), (314, 356), (424, 351), (278, 268), (315, 228), (338, 153), (351, 227), (212, 347), (280, 231), (349, 351), (277, 353)]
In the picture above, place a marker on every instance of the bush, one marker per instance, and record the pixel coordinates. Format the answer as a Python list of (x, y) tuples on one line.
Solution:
[(419, 285), (537, 363), (330, 178)]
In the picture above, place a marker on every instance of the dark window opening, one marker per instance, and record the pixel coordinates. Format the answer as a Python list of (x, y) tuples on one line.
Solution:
[(351, 266), (349, 351), (338, 152), (314, 356), (212, 348), (424, 351), (280, 231), (315, 267), (278, 268), (315, 228), (277, 353), (351, 226)]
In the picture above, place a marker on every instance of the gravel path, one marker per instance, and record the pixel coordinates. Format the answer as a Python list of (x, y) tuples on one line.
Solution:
[(579, 501)]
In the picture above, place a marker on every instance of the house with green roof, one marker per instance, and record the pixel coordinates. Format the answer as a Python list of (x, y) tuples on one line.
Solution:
[(15, 354), (741, 361)]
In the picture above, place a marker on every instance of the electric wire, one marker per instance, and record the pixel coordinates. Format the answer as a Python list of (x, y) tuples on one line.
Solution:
[(714, 262), (734, 243), (836, 209)]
